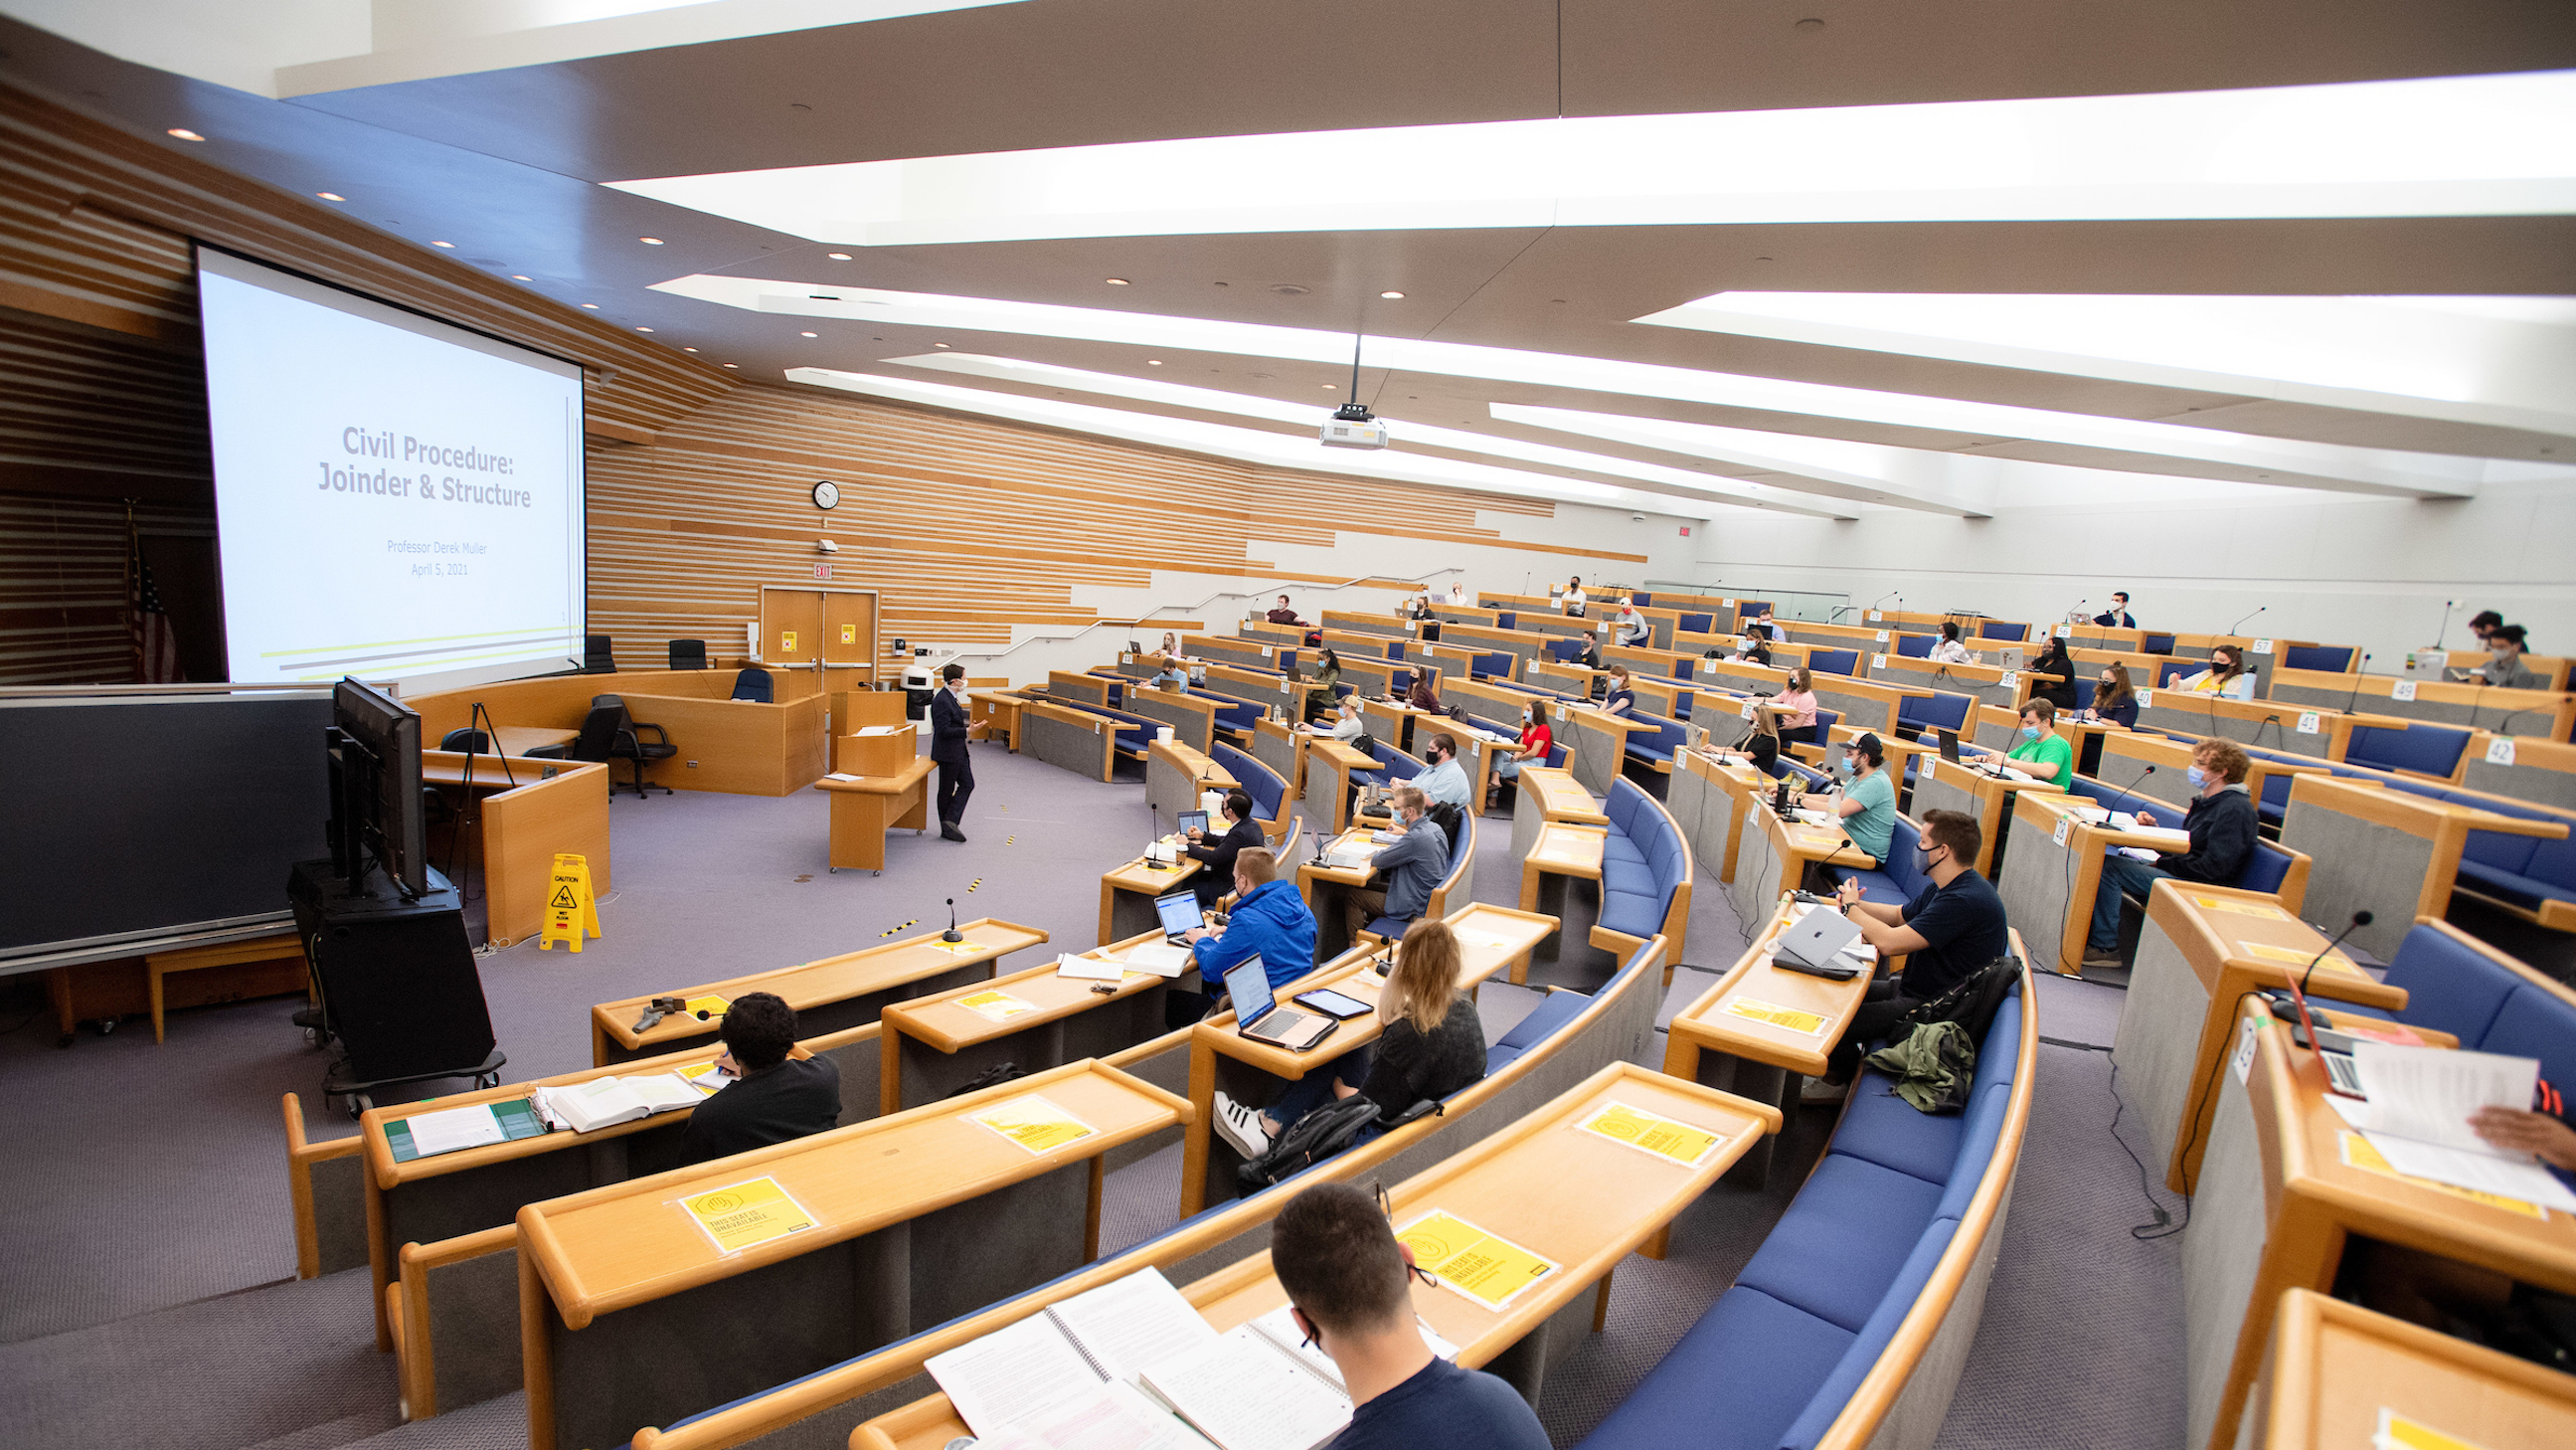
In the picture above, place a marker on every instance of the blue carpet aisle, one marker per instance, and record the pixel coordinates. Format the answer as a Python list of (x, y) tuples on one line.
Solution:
[(173, 1280)]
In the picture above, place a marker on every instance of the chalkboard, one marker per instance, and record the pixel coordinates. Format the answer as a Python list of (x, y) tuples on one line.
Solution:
[(154, 816)]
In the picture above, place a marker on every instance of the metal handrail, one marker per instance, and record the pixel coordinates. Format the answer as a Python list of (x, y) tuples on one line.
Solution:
[(1159, 611)]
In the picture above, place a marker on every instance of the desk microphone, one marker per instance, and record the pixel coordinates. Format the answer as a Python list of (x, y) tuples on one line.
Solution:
[(2299, 988), (2358, 670), (952, 934), (2129, 789), (2238, 626)]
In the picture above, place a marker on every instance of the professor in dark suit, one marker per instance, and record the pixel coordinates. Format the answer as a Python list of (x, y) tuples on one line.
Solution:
[(948, 747)]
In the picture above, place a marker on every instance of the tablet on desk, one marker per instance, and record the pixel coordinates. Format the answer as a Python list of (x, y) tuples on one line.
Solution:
[(1333, 1004), (1194, 821)]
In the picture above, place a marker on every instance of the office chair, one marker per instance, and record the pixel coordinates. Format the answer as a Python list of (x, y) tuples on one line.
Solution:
[(753, 684), (472, 742), (596, 656), (688, 654)]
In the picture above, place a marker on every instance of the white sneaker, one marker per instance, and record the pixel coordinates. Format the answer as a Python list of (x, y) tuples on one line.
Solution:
[(1817, 1090), (1241, 1127)]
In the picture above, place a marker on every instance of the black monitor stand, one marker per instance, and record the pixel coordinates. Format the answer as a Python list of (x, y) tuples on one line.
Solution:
[(396, 978)]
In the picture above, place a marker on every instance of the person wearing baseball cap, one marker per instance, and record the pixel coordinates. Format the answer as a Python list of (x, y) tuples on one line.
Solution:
[(1867, 804)]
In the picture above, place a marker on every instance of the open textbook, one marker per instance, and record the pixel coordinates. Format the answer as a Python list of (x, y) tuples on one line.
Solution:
[(2416, 1114), (1131, 1366), (607, 1101)]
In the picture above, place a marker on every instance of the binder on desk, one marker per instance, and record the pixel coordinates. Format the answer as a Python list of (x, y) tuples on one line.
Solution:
[(517, 1118)]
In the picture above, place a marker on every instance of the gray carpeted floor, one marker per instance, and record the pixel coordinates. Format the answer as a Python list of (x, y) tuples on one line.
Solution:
[(172, 1280)]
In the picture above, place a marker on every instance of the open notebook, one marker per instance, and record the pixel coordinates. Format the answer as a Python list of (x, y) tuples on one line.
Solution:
[(1133, 1362)]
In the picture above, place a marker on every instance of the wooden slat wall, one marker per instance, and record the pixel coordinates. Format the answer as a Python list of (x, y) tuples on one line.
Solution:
[(968, 526), (62, 586), (94, 226)]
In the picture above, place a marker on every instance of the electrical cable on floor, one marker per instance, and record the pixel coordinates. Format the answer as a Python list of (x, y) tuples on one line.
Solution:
[(2164, 1227)]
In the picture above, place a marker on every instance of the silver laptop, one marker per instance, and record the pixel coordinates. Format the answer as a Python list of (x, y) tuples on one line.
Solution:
[(1815, 941), (2012, 659), (1258, 1015)]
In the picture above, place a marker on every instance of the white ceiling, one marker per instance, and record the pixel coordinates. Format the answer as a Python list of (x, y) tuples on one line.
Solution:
[(1687, 255)]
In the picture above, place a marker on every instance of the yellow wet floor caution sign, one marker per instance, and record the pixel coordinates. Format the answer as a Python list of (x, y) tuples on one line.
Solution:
[(571, 911)]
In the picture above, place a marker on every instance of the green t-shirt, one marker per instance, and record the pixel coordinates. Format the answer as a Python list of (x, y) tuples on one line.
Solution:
[(1871, 828), (2053, 754)]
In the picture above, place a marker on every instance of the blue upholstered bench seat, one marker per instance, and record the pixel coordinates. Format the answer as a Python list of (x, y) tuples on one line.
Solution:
[(2427, 749), (1834, 661), (1259, 781), (1643, 860), (1134, 732), (1899, 878), (1820, 1302), (2330, 657), (1941, 710), (2521, 871), (1658, 749)]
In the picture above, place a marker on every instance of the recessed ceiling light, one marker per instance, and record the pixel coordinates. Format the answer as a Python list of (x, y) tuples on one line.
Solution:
[(1153, 362), (1115, 281), (838, 256), (939, 344), (184, 134), (650, 241), (330, 196), (451, 246), (519, 277), (688, 349), (809, 334), (1330, 388), (732, 365), (593, 306), (643, 329), (1392, 296)]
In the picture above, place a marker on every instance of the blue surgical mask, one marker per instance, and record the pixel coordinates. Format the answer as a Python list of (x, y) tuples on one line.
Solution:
[(1844, 764), (2197, 776), (2030, 732)]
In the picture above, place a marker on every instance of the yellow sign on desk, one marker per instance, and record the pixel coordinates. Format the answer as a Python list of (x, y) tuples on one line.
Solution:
[(1662, 1137), (996, 1005), (2396, 1432), (1807, 1023), (1033, 1123), (2287, 956), (740, 1215), (2358, 1153), (2241, 908), (1488, 1268)]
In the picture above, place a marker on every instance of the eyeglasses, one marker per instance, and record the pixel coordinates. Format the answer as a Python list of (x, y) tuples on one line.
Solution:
[(1386, 1205)]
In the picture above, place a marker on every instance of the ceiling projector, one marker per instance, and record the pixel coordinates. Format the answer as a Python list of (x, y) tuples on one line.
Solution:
[(1353, 426)]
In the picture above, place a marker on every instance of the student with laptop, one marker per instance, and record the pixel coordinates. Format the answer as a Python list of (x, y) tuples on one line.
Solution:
[(2223, 825), (1342, 722), (773, 1098), (1430, 1045), (1269, 921), (1628, 628), (1622, 699), (2041, 754), (1242, 833), (2117, 616), (2504, 668), (1411, 865), (1425, 692), (1444, 779), (1321, 692), (1868, 802), (1949, 930), (1280, 613), (1574, 600)]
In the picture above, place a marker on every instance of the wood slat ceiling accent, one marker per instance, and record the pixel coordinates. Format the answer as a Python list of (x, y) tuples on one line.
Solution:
[(94, 226), (62, 586), (968, 526)]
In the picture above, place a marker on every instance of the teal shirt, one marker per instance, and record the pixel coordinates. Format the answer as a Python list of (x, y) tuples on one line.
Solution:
[(2050, 752), (1871, 828)]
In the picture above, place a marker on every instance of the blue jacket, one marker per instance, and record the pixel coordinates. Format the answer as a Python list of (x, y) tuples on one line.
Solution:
[(1272, 922)]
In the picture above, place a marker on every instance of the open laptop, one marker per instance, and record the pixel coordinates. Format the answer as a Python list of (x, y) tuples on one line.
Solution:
[(1949, 745), (1178, 911), (1258, 1015), (1814, 943), (2012, 659)]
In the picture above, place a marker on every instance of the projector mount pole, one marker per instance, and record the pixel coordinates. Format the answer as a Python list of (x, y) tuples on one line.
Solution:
[(1354, 411)]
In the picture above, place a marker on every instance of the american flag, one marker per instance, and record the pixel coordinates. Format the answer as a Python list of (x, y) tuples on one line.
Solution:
[(156, 648)]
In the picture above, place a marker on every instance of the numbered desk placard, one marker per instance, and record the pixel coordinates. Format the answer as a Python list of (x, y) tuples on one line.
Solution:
[(2402, 690), (1657, 1137), (2307, 722), (742, 1215), (1032, 1122), (2500, 750), (1487, 1268)]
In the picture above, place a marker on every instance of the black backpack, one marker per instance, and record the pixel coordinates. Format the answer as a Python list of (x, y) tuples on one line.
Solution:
[(1973, 1002), (994, 1076), (1320, 1134)]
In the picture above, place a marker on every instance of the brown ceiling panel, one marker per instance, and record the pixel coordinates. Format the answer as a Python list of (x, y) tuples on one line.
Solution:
[(1640, 57)]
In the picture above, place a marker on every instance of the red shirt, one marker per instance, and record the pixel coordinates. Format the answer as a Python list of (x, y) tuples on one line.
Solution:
[(1536, 736)]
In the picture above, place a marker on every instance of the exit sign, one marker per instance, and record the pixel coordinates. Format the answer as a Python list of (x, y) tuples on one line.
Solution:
[(822, 571)]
